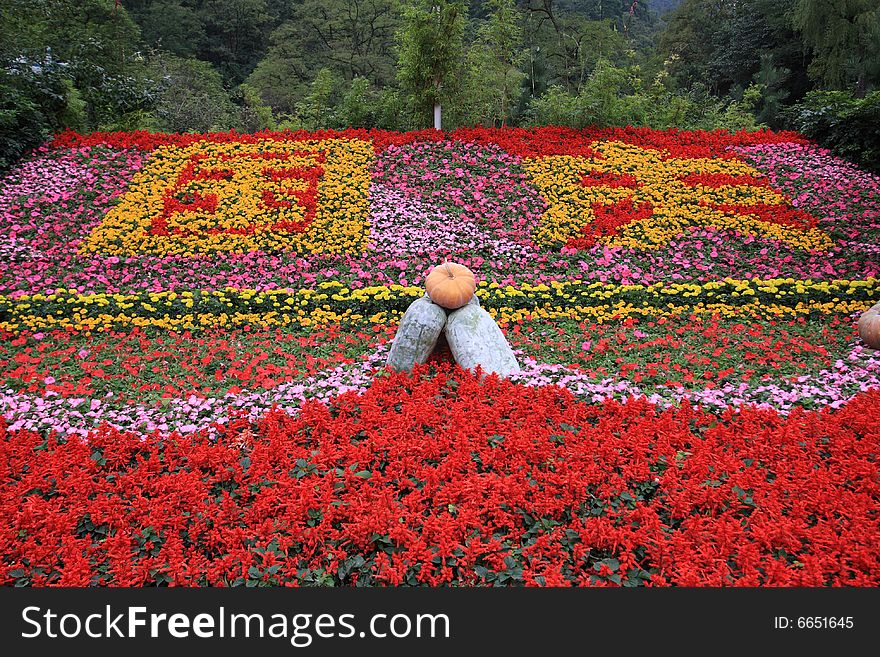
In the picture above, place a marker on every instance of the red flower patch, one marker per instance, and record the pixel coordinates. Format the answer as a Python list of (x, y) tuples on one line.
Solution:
[(438, 478), (180, 198), (603, 179), (526, 142), (781, 214), (722, 179), (138, 366), (607, 220)]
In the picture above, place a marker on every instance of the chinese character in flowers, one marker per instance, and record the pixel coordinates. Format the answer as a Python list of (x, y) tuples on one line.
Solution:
[(278, 188), (272, 195), (624, 195)]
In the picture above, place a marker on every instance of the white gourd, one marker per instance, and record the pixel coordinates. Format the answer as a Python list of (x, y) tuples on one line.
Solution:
[(475, 339), (417, 334)]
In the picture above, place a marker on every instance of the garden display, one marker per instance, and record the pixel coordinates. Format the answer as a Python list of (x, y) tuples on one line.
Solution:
[(450, 306), (217, 368)]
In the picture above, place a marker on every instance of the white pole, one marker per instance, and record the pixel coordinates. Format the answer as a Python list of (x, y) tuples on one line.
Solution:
[(437, 117)]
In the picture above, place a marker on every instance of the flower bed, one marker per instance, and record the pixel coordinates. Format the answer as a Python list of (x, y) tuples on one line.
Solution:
[(227, 301), (437, 479)]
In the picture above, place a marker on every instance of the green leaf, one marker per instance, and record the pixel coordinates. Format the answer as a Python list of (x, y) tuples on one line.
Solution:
[(612, 564), (745, 496), (496, 440)]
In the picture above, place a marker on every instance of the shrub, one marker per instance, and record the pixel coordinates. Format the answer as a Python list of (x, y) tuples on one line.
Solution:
[(190, 96), (848, 126), (33, 101), (614, 96)]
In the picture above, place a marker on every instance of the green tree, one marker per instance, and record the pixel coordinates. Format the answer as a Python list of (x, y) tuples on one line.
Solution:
[(664, 6), (693, 40), (566, 40), (617, 96), (282, 77), (84, 30), (33, 103), (494, 78), (173, 26), (839, 121), (255, 115), (91, 48), (235, 36), (316, 110), (727, 45), (771, 80), (191, 96), (430, 46), (845, 37), (355, 110), (353, 38)]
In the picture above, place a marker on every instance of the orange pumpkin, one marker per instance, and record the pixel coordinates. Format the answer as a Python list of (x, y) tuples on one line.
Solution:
[(869, 327), (450, 285)]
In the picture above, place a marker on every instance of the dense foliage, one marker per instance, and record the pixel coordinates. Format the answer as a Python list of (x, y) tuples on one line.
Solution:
[(196, 65), (846, 124)]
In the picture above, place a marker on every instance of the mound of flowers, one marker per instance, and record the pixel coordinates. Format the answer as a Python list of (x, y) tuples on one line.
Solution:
[(437, 478), (204, 320)]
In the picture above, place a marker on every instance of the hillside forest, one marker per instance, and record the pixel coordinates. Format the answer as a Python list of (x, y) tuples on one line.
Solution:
[(251, 65)]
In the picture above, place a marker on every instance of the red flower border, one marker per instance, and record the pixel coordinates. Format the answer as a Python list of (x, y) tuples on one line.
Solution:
[(440, 478), (526, 142)]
